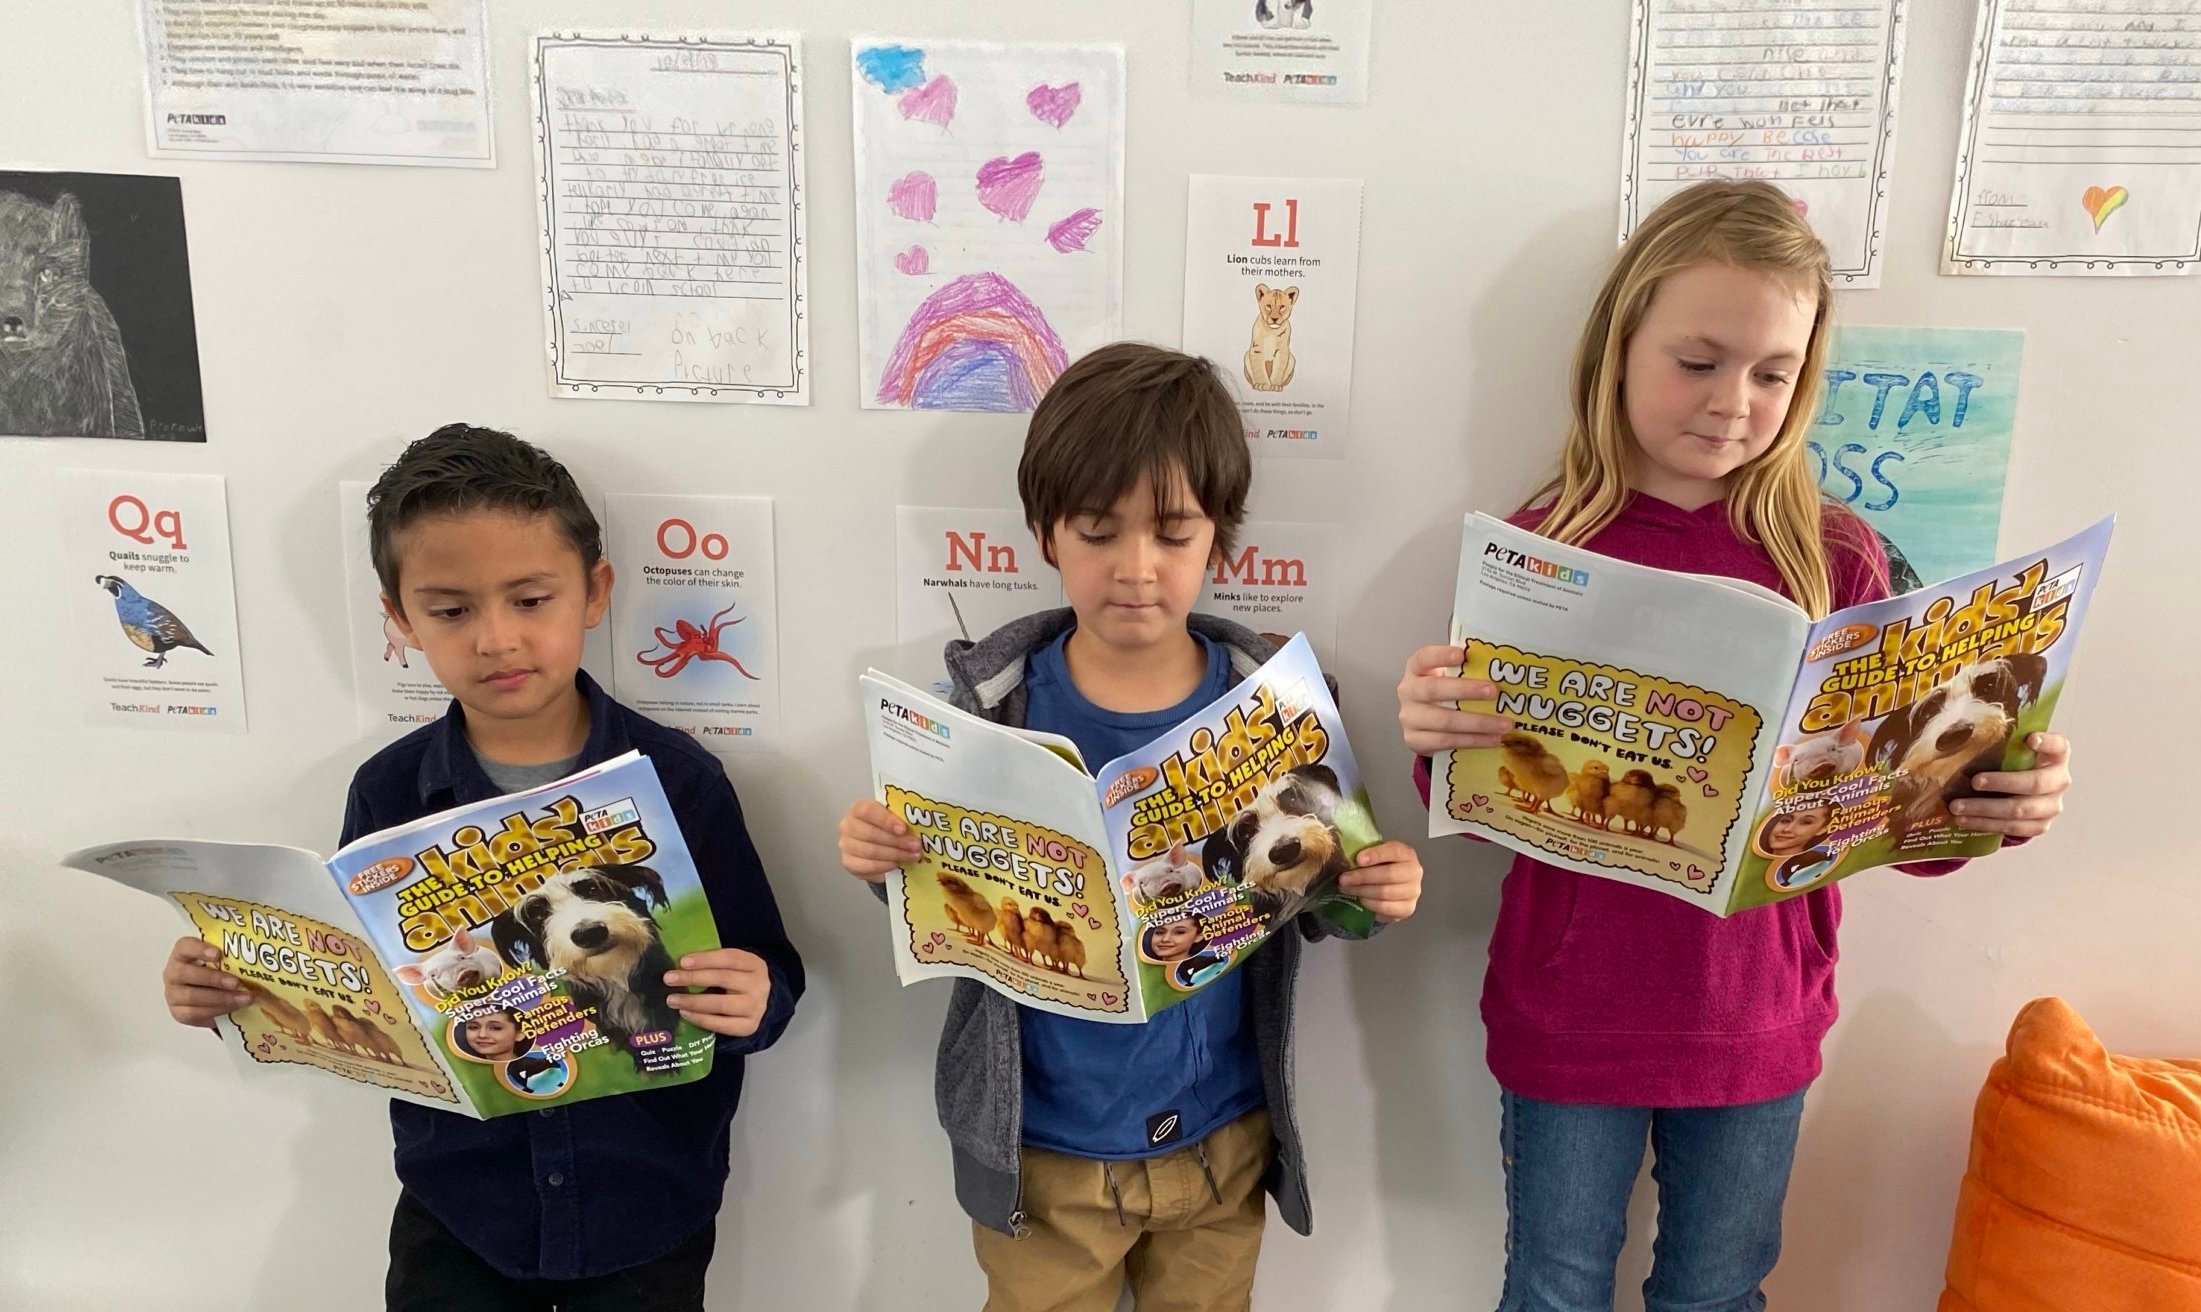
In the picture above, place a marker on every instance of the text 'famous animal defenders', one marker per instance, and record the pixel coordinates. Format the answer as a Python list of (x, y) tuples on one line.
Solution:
[(495, 958), (1112, 895), (1703, 737)]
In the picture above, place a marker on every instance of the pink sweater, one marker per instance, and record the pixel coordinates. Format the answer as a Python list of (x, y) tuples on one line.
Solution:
[(1602, 992)]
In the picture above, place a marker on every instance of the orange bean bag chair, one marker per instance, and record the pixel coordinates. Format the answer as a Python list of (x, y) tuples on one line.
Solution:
[(2083, 1192)]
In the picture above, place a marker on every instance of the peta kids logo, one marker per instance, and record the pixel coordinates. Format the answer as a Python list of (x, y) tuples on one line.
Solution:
[(1527, 564), (908, 716)]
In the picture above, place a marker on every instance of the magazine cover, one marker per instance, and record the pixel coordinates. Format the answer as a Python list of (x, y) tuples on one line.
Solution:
[(491, 959), (1701, 736), (1113, 895)]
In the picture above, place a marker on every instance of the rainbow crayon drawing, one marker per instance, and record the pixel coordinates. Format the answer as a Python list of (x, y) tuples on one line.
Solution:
[(976, 344)]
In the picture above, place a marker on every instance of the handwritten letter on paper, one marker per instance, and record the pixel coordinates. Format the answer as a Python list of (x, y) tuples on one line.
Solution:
[(2081, 150), (1800, 93), (670, 172)]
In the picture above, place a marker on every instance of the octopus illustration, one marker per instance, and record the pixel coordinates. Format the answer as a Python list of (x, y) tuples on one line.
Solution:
[(686, 642)]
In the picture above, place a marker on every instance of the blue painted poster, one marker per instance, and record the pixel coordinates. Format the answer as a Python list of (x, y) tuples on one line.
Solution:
[(1914, 435)]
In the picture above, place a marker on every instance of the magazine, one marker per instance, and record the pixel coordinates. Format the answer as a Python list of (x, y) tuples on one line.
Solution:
[(1704, 737), (1113, 894), (495, 958)]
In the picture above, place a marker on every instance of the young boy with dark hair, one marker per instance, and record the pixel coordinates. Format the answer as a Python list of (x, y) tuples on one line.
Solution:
[(1089, 1153), (492, 564)]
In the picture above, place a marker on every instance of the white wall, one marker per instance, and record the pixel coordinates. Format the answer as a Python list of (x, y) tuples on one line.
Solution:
[(343, 310)]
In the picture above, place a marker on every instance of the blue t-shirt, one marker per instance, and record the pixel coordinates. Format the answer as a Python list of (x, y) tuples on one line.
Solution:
[(1123, 1091)]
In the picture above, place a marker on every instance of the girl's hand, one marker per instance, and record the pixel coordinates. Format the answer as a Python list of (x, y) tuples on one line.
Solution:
[(873, 842), (1428, 714), (2034, 797), (1387, 879)]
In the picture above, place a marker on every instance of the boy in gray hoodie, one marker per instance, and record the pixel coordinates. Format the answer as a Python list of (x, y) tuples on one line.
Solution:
[(1090, 1153)]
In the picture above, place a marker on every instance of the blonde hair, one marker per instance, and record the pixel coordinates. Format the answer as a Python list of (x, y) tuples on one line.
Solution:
[(1774, 500)]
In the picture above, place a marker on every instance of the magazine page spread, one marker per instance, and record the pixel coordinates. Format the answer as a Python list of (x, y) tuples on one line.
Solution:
[(1900, 703), (1643, 699), (1113, 898), (532, 934)]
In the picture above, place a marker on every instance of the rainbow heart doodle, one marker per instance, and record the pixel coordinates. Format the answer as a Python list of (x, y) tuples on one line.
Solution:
[(2101, 202)]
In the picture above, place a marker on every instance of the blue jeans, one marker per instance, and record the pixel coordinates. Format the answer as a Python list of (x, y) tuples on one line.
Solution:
[(1722, 1174)]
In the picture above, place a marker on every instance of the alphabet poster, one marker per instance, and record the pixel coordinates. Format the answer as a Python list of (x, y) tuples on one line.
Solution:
[(1915, 435), (989, 208), (1278, 580), (97, 335), (671, 180), (962, 574), (694, 622), (147, 574), (1798, 93), (2081, 148), (392, 687), (1272, 269)]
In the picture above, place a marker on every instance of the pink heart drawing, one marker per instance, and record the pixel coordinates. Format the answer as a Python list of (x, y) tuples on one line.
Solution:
[(1673, 865), (1009, 186), (1092, 997), (1092, 922), (1109, 998), (1079, 908), (1710, 791), (1071, 234), (1481, 800), (1695, 873), (938, 938), (1697, 776), (914, 261), (933, 102), (914, 196), (1054, 104)]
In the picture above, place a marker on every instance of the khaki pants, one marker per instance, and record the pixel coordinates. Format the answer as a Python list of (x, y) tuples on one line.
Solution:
[(1183, 1245)]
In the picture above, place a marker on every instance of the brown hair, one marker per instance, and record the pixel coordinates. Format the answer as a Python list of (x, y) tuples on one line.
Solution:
[(1775, 499), (1129, 411), (459, 468)]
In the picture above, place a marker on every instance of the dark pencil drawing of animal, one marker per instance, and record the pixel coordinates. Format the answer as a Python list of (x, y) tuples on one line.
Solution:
[(63, 371)]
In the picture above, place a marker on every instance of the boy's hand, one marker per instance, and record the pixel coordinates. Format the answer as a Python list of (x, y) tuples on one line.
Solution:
[(739, 987), (873, 842), (1387, 879), (1427, 711), (196, 992), (2035, 796)]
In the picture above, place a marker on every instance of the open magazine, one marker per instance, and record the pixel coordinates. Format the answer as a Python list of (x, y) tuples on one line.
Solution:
[(495, 958), (1703, 737), (1113, 894)]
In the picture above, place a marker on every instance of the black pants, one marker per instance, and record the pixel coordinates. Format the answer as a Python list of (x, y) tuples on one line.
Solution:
[(431, 1271)]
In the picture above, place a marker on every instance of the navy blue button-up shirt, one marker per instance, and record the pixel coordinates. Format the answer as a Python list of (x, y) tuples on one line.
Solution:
[(573, 1192)]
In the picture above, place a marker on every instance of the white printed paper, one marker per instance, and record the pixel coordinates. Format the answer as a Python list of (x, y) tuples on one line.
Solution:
[(989, 208), (148, 574), (671, 180), (393, 689), (2081, 149), (962, 574), (1278, 580), (334, 82), (1272, 272), (1287, 52), (1799, 93), (695, 643)]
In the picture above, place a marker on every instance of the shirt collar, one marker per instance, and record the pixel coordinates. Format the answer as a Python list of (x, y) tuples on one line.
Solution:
[(450, 767)]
